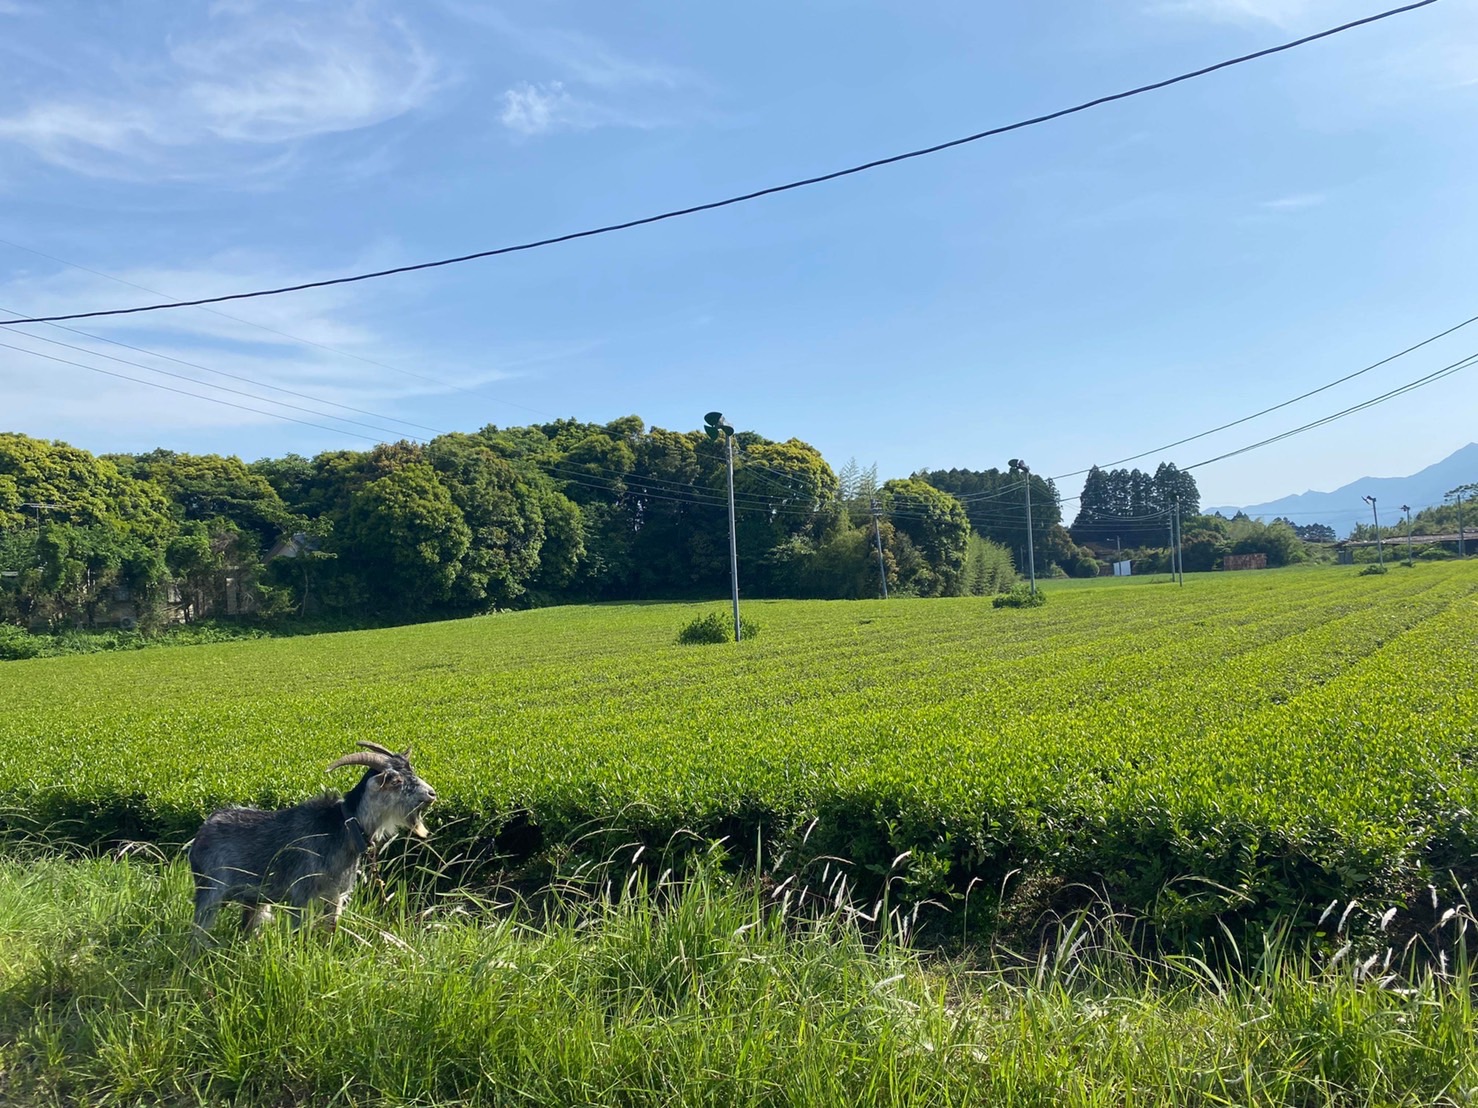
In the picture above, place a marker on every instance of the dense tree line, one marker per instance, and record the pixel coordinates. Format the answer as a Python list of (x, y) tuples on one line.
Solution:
[(1130, 507), (464, 523), (996, 505), (546, 513)]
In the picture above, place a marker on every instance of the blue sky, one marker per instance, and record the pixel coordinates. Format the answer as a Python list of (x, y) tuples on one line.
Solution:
[(1070, 294)]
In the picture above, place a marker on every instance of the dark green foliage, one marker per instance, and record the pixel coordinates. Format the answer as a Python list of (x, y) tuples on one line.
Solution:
[(504, 518), (995, 502), (16, 644), (716, 627), (1372, 570), (1020, 597), (935, 525), (1133, 507)]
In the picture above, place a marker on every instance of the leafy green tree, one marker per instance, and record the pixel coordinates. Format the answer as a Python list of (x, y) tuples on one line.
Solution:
[(86, 491), (995, 503), (503, 514), (1276, 540), (206, 487), (1202, 550), (936, 526), (405, 538)]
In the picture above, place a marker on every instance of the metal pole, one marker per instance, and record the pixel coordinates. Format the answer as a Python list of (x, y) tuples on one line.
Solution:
[(733, 543), (1409, 559), (1031, 554), (1461, 551), (877, 534), (1179, 553), (1380, 550), (1171, 551)]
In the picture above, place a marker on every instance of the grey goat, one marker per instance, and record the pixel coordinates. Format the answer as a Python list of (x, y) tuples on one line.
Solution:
[(308, 853)]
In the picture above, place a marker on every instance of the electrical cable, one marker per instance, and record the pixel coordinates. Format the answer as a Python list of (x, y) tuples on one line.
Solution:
[(183, 392), (248, 323), (745, 197), (222, 388), (1275, 407), (1420, 382)]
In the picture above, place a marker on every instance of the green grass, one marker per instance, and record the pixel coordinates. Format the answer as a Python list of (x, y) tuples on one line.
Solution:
[(701, 995), (1243, 746)]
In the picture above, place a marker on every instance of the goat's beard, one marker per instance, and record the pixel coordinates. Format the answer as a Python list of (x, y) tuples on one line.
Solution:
[(417, 827)]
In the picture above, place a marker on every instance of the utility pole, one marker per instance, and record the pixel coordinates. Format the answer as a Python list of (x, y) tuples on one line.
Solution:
[(1179, 553), (1409, 559), (877, 534), (1380, 553), (715, 425), (40, 506), (1017, 465), (1457, 493)]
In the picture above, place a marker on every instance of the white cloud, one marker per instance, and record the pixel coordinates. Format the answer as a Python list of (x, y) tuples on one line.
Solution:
[(593, 84), (210, 106), (1295, 202), (532, 110), (1281, 13), (538, 109)]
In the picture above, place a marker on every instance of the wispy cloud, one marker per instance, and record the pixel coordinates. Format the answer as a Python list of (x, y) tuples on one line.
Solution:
[(215, 104), (1281, 13), (1295, 202), (589, 84), (537, 109), (532, 110)]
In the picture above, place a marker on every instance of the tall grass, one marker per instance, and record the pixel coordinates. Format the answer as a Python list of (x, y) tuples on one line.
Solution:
[(704, 993)]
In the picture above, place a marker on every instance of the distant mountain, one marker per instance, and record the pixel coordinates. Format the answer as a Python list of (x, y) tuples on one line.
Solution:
[(1343, 508)]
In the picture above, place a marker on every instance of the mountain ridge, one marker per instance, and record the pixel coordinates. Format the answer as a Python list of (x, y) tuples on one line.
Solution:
[(1343, 508)]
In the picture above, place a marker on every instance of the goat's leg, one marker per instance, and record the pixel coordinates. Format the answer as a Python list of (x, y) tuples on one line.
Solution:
[(253, 916), (208, 899)]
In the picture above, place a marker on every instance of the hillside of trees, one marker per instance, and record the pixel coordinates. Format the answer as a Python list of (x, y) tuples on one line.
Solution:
[(549, 513), (465, 523)]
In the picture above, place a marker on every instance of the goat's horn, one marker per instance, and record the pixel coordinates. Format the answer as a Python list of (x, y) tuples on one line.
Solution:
[(362, 758), (406, 753), (376, 747)]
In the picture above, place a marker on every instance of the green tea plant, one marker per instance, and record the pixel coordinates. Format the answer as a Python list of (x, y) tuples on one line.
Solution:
[(1231, 750)]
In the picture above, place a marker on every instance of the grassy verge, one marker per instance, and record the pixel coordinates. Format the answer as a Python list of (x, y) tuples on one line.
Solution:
[(708, 994)]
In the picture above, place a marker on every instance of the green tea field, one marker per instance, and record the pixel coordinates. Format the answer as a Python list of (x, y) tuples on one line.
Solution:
[(1247, 743)]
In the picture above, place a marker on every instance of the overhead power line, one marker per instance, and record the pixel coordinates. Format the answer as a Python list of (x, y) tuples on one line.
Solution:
[(1420, 382), (220, 373), (184, 392), (1275, 407), (235, 319), (748, 196)]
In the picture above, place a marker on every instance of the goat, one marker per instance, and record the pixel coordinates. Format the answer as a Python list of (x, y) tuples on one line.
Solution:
[(308, 853)]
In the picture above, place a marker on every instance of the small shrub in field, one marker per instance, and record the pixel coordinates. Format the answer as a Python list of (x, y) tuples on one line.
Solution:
[(1020, 597), (1371, 571), (715, 627)]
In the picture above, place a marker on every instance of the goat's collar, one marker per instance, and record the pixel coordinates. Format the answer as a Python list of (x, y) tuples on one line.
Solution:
[(355, 830)]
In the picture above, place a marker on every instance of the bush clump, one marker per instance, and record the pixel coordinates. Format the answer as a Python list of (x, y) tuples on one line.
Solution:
[(1372, 570), (715, 627), (16, 644), (1020, 597)]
